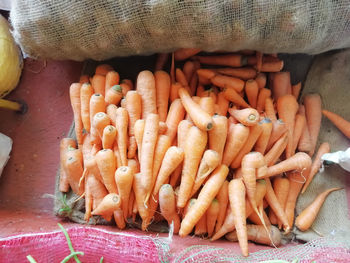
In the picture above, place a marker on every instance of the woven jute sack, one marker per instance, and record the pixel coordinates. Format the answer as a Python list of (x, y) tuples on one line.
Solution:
[(99, 29)]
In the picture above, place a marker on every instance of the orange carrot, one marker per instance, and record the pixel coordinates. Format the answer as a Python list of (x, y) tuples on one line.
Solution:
[(207, 104), (162, 58), (74, 94), (162, 82), (270, 110), (64, 145), (313, 111), (200, 90), (106, 163), (140, 196), (281, 84), (200, 118), (193, 151), (278, 129), (73, 168), (296, 90), (112, 78), (272, 66), (205, 197), (108, 137), (300, 122), (146, 88), (261, 80), (175, 115), (124, 177), (84, 79), (114, 95), (261, 143), (162, 127), (174, 91), (98, 83), (188, 70), (309, 214), (206, 73), (181, 78), (223, 81), (108, 205), (134, 165), (222, 103), (231, 60), (99, 122), (255, 219), (217, 135), (212, 215), (281, 189), (342, 124), (248, 116), (232, 95), (262, 96), (259, 60), (95, 191), (316, 165), (276, 150), (103, 69), (97, 104), (304, 144), (252, 90), (86, 92), (117, 155), (119, 219), (122, 133), (223, 200), (139, 128), (185, 53), (127, 82), (111, 111), (201, 226), (168, 207), (244, 73)]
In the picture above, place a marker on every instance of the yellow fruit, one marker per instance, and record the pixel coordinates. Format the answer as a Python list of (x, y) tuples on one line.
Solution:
[(11, 62)]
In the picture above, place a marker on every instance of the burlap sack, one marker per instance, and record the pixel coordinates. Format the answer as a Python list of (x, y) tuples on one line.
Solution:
[(99, 29)]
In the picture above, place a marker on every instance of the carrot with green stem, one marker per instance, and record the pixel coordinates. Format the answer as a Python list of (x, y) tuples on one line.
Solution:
[(108, 136), (175, 115), (74, 94), (261, 143), (232, 95), (163, 84), (185, 53), (223, 200), (86, 91), (248, 116), (339, 122), (217, 136), (168, 207), (106, 163), (146, 88), (124, 177)]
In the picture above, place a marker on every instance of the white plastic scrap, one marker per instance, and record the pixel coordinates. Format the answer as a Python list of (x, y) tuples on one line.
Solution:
[(5, 149), (341, 157)]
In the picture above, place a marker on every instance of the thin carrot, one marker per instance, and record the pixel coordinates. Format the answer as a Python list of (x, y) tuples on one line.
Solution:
[(162, 58), (175, 115), (223, 200), (114, 95), (281, 84), (140, 196), (146, 88), (181, 78), (206, 73), (139, 128), (98, 83), (244, 73), (65, 143), (124, 177), (133, 106), (194, 147), (231, 60), (108, 137), (112, 78), (111, 111), (212, 216), (223, 81), (217, 136), (339, 122), (168, 207), (281, 189), (296, 90), (122, 133), (73, 168), (278, 129), (86, 92), (262, 96), (276, 150), (261, 143), (309, 214), (103, 69), (248, 116), (74, 94), (233, 96), (162, 82), (316, 165), (185, 53), (106, 163), (261, 80), (270, 109), (304, 144), (300, 123), (174, 91)]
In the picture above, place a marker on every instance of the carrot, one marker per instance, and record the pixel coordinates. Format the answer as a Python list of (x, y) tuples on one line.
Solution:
[(86, 91), (73, 168), (255, 219), (299, 161), (185, 53), (252, 90), (205, 197), (95, 191), (270, 110), (181, 78), (300, 122), (124, 177), (254, 133), (162, 82), (103, 69), (259, 59), (262, 96), (232, 95), (146, 88), (175, 115), (193, 84), (278, 129), (200, 90), (248, 116), (206, 73), (84, 79), (98, 83), (65, 143), (140, 196), (162, 58), (275, 206), (244, 73), (258, 234), (106, 163), (122, 133), (172, 159), (261, 143), (296, 90), (108, 137), (149, 141), (218, 135), (201, 226), (231, 60), (182, 131), (236, 138), (168, 207), (97, 104), (112, 79), (222, 103), (281, 189), (127, 82), (111, 111), (222, 198), (309, 214), (212, 216), (281, 84), (287, 107), (200, 118), (139, 128), (342, 124), (209, 162), (114, 95), (108, 205), (272, 66), (276, 151), (134, 165), (194, 147), (74, 94), (174, 91), (99, 122), (313, 113), (304, 144), (237, 194), (261, 80), (223, 81), (316, 165), (118, 218), (131, 203)]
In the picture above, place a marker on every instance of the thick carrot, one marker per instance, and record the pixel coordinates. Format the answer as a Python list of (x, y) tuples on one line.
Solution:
[(194, 147), (111, 111), (217, 136), (208, 105), (223, 200), (233, 96), (248, 116), (261, 80), (316, 165), (251, 90), (205, 197), (65, 143), (200, 118), (124, 177), (108, 205), (339, 122), (122, 133), (162, 58), (262, 96), (97, 104), (112, 78), (212, 216), (86, 91), (278, 129), (296, 90), (209, 162), (103, 69), (223, 81), (145, 86), (108, 136), (281, 84), (181, 78), (276, 151), (309, 214), (98, 83), (222, 103), (231, 60), (287, 107), (140, 196), (139, 128), (300, 123), (304, 144), (162, 82), (281, 189), (168, 207), (185, 53), (114, 95), (313, 111), (74, 94), (244, 73), (261, 143), (106, 163), (270, 109)]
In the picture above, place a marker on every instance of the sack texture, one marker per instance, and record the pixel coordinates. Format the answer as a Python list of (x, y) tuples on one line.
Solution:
[(84, 29)]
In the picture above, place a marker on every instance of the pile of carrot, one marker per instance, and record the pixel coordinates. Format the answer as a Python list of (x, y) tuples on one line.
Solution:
[(219, 146)]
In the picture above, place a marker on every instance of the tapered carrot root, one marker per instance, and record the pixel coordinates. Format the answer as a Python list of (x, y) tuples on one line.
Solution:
[(233, 60), (248, 116), (108, 205), (168, 207), (342, 124)]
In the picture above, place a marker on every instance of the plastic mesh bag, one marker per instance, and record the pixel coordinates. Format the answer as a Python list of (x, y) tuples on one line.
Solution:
[(99, 29)]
